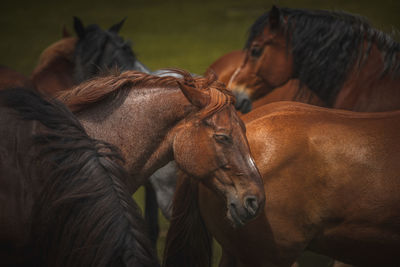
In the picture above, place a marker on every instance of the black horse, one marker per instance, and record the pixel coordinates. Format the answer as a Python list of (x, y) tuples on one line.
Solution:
[(63, 195), (98, 50)]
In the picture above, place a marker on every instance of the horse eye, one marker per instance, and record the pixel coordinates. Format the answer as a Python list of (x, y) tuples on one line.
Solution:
[(256, 51), (223, 138)]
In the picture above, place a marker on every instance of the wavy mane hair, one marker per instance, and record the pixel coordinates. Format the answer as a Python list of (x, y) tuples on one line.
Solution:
[(84, 216), (327, 44), (101, 88)]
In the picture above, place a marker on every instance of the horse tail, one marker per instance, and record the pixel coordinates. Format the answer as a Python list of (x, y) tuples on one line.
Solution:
[(188, 241)]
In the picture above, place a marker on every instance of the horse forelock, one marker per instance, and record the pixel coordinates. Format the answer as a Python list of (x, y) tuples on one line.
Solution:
[(220, 97), (84, 214), (327, 44)]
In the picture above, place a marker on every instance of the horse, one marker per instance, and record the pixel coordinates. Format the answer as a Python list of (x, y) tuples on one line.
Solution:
[(64, 197), (72, 60), (11, 78), (331, 179), (155, 120), (338, 56), (228, 64), (97, 50), (55, 68)]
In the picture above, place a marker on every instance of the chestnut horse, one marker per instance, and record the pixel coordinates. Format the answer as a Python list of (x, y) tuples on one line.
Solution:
[(64, 200), (155, 120), (54, 71), (338, 56), (331, 179)]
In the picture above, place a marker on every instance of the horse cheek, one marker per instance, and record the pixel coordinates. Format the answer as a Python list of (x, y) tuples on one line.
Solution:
[(193, 152)]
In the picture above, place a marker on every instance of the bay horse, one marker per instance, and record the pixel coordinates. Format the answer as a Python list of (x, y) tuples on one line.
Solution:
[(331, 179), (63, 195), (154, 120), (227, 65), (11, 78), (338, 56)]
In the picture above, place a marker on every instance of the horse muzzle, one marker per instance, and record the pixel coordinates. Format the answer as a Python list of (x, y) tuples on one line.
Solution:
[(240, 212), (243, 102)]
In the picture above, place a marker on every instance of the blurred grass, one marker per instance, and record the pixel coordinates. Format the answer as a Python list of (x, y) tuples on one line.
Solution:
[(185, 34)]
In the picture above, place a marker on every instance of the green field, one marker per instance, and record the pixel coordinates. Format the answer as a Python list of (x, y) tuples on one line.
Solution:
[(185, 34)]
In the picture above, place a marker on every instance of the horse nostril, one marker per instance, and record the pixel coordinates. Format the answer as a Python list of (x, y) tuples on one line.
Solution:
[(251, 205)]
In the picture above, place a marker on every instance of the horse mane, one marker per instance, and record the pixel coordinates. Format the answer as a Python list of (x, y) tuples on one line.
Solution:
[(188, 241), (327, 44), (100, 88), (63, 49), (84, 216), (90, 56)]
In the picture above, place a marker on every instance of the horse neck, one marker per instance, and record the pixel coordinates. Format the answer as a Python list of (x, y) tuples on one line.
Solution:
[(366, 89), (143, 127)]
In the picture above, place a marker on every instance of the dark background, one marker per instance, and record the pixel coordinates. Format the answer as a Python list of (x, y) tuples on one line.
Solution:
[(179, 33)]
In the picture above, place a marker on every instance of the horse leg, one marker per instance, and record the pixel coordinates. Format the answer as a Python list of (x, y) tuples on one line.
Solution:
[(151, 214)]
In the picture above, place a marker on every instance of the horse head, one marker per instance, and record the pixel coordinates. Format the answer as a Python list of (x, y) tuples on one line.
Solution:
[(211, 145), (267, 63), (99, 49)]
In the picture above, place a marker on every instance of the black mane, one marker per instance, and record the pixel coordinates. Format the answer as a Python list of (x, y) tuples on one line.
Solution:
[(98, 50), (84, 216), (326, 44)]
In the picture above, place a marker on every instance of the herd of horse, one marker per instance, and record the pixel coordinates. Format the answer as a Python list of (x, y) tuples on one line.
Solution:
[(288, 145)]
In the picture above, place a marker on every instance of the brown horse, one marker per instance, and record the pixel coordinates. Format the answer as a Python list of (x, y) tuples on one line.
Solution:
[(63, 195), (10, 78), (227, 67), (155, 120), (331, 180), (338, 56), (54, 71)]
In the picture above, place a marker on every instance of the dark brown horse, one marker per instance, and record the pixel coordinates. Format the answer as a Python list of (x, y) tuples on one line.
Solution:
[(64, 200), (331, 180), (11, 78), (155, 120), (338, 56)]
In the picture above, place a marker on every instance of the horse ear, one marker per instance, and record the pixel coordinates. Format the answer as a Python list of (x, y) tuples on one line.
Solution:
[(116, 27), (65, 32), (274, 18), (194, 95), (79, 28)]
